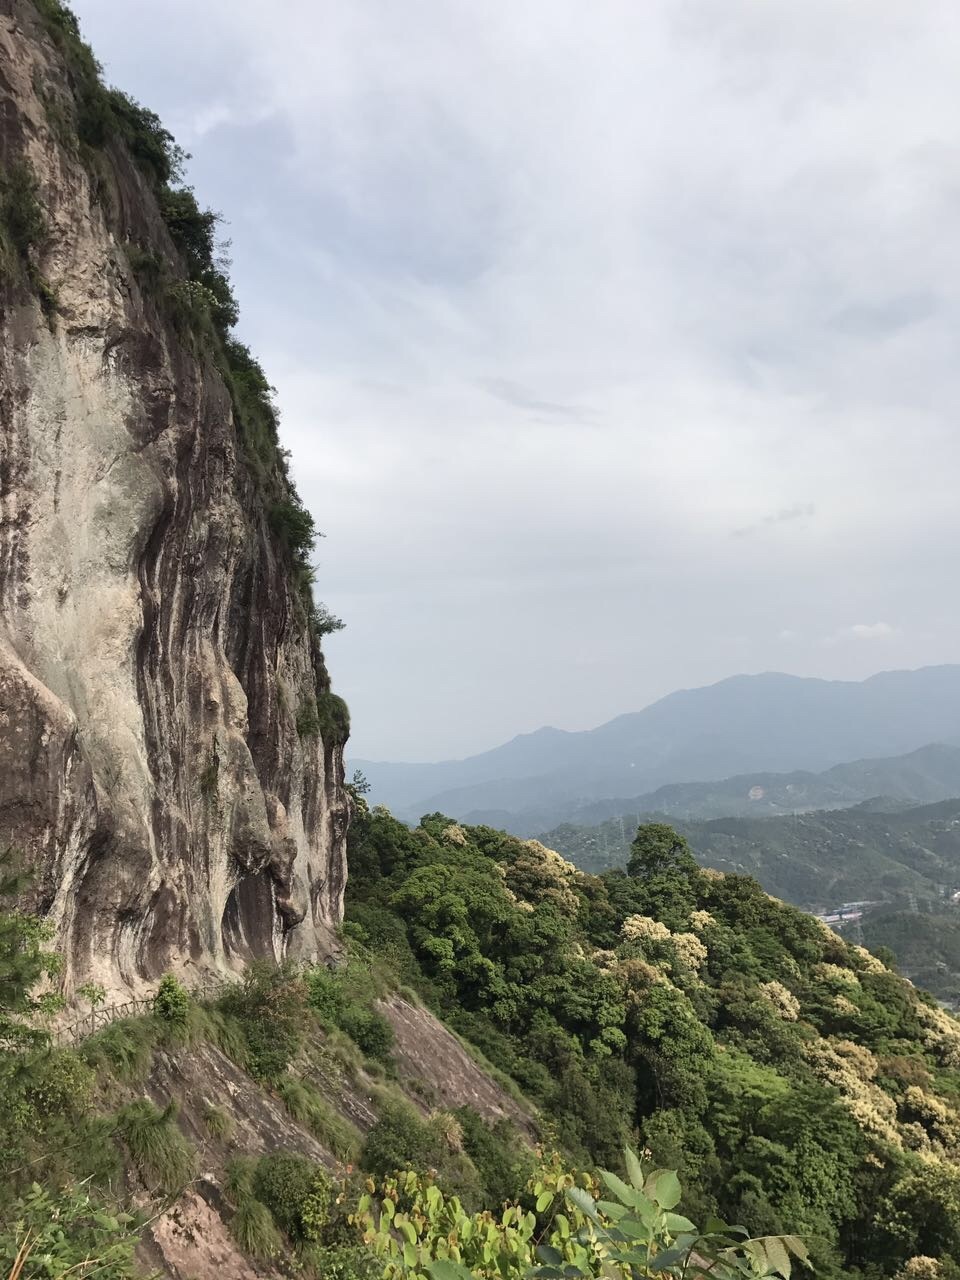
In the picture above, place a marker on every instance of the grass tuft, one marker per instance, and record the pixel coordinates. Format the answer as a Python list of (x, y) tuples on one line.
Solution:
[(124, 1049), (226, 1032), (254, 1230), (218, 1122), (315, 1113), (156, 1146), (239, 1177)]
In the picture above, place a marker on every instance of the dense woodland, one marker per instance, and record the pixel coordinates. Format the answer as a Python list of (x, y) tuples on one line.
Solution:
[(796, 1081), (873, 851)]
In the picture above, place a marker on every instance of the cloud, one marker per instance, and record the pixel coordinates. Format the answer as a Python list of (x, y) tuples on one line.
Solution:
[(520, 398), (861, 631), (786, 515), (556, 297)]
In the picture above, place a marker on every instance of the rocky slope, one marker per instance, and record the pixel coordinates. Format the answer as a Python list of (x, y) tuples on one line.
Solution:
[(153, 649)]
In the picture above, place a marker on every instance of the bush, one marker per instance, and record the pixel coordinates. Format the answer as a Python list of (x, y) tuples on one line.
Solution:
[(308, 720), (334, 718), (369, 1030), (270, 1005), (192, 229), (399, 1140), (62, 1084), (23, 230), (285, 1183), (631, 1233), (326, 996), (503, 1162), (342, 1262), (317, 1208), (52, 1234), (171, 1004), (24, 224), (293, 524), (124, 1048)]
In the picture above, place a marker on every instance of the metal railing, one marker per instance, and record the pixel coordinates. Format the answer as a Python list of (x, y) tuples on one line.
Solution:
[(99, 1018), (103, 1015)]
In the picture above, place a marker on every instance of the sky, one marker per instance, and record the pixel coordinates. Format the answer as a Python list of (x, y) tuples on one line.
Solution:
[(616, 344)]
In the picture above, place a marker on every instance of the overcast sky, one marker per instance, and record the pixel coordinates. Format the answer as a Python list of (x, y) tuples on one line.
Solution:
[(616, 342)]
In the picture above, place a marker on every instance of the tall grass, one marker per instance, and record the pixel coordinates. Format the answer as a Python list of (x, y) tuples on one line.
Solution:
[(124, 1049), (315, 1113), (162, 1155)]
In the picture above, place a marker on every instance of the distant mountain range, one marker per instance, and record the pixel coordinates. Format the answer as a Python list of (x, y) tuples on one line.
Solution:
[(777, 734), (921, 777)]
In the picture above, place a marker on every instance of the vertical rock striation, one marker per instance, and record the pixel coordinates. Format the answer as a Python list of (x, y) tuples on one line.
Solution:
[(154, 649)]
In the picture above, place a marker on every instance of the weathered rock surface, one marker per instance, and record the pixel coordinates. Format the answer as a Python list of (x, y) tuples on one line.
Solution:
[(192, 1241), (430, 1057), (152, 651)]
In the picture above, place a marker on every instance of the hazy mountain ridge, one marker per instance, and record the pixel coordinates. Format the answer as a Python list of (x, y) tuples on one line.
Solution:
[(924, 776), (772, 723)]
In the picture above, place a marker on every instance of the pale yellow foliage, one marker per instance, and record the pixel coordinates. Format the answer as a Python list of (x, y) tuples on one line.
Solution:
[(700, 920), (937, 1119), (712, 873), (940, 1034), (825, 929), (637, 977), (551, 855), (844, 1006), (455, 834), (782, 998), (690, 950), (920, 1267), (836, 975), (448, 1128), (870, 962), (644, 929), (873, 1110), (539, 874), (859, 1057)]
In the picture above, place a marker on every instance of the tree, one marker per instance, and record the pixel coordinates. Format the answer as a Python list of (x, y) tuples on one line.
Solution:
[(659, 850)]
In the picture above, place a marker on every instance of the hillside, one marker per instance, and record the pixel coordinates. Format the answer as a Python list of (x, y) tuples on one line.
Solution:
[(767, 723), (814, 860), (788, 1074), (926, 944)]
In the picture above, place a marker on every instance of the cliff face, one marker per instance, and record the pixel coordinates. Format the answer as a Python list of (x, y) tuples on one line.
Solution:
[(153, 652)]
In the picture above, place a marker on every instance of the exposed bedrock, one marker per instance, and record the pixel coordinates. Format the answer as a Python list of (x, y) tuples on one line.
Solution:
[(153, 652)]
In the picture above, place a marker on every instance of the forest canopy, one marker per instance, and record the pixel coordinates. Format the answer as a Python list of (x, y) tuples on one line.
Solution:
[(796, 1082)]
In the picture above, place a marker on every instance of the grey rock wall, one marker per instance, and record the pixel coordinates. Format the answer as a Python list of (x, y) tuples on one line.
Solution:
[(152, 652)]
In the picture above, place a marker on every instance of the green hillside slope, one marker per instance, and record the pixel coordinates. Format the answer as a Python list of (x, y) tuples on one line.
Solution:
[(792, 1077), (813, 860), (926, 945)]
